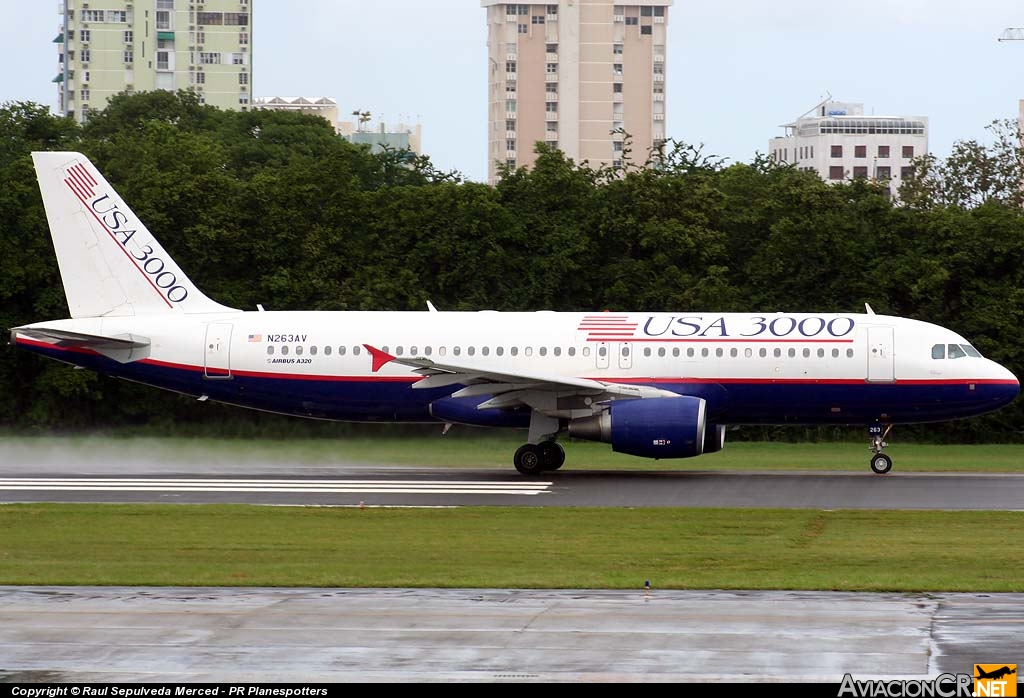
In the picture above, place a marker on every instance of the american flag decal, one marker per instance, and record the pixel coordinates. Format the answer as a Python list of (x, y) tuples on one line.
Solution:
[(607, 327), (80, 181), (255, 338)]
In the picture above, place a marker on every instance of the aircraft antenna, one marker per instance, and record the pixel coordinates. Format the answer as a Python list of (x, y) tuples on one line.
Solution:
[(1012, 34)]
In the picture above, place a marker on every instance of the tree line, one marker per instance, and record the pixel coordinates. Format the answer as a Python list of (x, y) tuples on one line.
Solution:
[(274, 208)]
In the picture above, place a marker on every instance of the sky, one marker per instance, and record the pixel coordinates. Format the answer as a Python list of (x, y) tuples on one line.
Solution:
[(736, 69)]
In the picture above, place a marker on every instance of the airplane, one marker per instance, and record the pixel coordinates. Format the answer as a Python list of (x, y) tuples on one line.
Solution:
[(652, 384), (995, 674)]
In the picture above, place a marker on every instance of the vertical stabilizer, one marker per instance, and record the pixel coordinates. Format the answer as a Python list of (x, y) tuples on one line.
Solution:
[(111, 265)]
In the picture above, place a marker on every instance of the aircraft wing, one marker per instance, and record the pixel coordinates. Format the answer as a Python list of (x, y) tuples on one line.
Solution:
[(123, 348), (537, 390)]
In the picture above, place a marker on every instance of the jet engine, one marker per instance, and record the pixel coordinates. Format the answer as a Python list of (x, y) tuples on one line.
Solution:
[(670, 427)]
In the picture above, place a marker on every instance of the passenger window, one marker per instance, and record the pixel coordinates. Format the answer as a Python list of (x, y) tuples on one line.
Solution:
[(733, 353), (778, 353), (270, 349), (543, 351), (312, 350), (486, 351), (835, 353), (689, 352), (849, 353), (661, 351), (586, 351), (412, 351), (719, 352), (955, 352), (341, 351), (327, 351), (704, 352), (398, 351), (456, 351), (821, 353), (355, 351), (557, 351), (428, 351), (791, 352), (762, 352), (514, 351), (675, 351), (384, 349), (500, 351), (298, 350), (602, 351), (572, 351), (442, 351), (625, 350), (529, 351), (647, 351), (807, 353), (284, 350), (748, 352)]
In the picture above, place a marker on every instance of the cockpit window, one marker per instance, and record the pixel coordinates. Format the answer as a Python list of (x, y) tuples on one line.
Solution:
[(953, 351)]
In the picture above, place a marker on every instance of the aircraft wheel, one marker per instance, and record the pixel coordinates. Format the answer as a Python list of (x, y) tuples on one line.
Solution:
[(529, 459), (552, 454), (881, 463)]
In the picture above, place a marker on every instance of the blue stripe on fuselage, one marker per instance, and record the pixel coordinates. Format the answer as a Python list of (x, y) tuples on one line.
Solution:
[(365, 399)]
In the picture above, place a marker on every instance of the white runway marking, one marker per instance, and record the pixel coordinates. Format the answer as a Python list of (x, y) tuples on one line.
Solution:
[(283, 486)]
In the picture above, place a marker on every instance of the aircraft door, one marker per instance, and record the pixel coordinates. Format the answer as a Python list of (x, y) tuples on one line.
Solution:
[(625, 352), (218, 350), (601, 354), (881, 355)]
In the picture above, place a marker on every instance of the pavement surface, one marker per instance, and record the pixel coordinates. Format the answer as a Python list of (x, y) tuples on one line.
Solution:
[(79, 634)]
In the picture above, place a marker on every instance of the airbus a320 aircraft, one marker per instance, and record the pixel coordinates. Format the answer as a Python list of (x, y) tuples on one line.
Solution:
[(656, 385)]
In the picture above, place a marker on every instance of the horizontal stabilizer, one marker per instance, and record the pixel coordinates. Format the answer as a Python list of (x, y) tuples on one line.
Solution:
[(122, 348)]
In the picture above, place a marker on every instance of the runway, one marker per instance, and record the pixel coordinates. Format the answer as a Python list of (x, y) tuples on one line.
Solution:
[(389, 486)]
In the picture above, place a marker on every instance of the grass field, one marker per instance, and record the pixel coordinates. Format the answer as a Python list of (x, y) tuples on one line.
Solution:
[(238, 545), (478, 449)]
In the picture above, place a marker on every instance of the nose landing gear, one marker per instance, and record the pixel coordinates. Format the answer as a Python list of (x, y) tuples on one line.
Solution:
[(880, 463)]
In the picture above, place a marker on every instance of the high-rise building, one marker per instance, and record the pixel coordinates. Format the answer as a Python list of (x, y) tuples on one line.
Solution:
[(839, 142), (577, 75), (140, 45)]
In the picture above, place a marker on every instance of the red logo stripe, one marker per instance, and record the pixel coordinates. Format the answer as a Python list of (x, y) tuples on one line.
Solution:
[(85, 173)]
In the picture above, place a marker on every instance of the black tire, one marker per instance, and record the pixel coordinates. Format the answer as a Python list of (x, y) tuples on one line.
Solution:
[(552, 454), (529, 459), (881, 464)]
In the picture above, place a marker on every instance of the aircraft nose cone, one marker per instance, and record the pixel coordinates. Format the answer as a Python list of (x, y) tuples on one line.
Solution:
[(1010, 388)]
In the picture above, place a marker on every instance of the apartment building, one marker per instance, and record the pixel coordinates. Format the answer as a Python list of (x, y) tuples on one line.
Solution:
[(109, 46), (576, 75)]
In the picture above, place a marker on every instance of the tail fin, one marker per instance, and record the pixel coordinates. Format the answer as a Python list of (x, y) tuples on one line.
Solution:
[(111, 265)]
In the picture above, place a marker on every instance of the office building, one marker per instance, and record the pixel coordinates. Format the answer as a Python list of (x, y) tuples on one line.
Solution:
[(839, 142), (576, 75), (113, 46)]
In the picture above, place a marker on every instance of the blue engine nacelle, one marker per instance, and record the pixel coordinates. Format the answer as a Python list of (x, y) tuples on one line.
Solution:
[(670, 427)]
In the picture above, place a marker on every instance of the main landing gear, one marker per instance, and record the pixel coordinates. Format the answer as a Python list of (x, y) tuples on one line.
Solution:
[(531, 459), (880, 463)]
